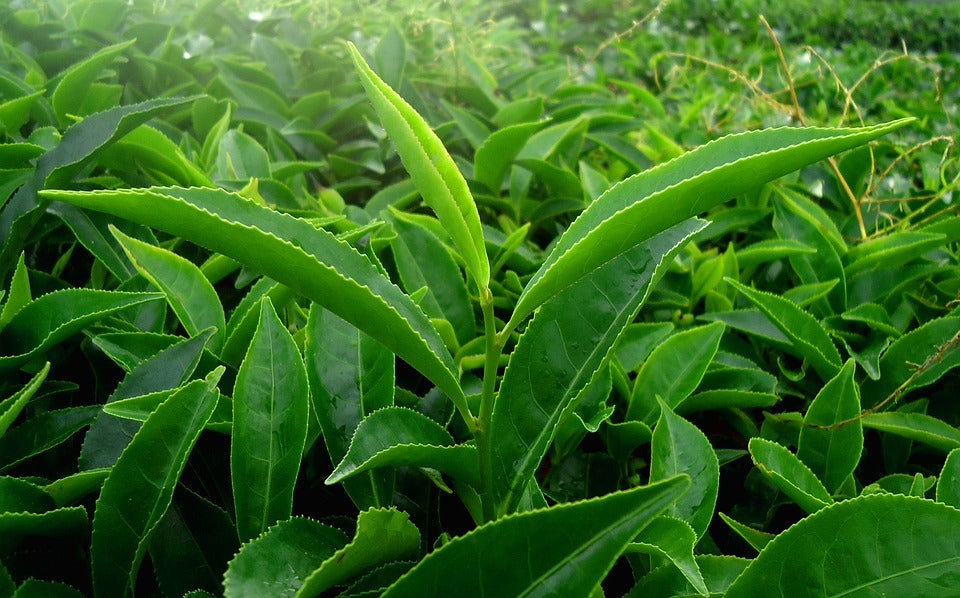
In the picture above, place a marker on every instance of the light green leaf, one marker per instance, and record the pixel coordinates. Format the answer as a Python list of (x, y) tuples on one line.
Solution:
[(19, 295), (948, 484), (565, 550), (679, 447), (75, 83), (647, 203), (561, 351), (351, 376), (832, 451), (383, 536), (398, 436), (493, 157), (270, 412), (432, 169), (309, 260), (754, 537), (809, 338), (189, 293), (11, 407), (923, 428), (278, 562), (673, 370), (719, 571), (878, 545), (788, 473), (673, 539), (140, 486)]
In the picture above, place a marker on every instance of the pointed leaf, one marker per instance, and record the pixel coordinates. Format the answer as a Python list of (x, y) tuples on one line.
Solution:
[(140, 486), (383, 536), (270, 411), (673, 370), (79, 144), (351, 376), (188, 292), (680, 447), (810, 339), (279, 561), (565, 550), (673, 539), (398, 436), (561, 351), (11, 407), (948, 484), (647, 203), (432, 169), (75, 83), (789, 474), (877, 545), (754, 537), (56, 316), (832, 453), (923, 428), (293, 252), (43, 432)]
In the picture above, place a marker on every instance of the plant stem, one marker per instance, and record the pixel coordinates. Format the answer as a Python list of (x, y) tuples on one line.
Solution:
[(487, 398)]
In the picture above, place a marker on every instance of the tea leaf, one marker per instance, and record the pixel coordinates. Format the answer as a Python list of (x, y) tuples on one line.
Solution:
[(75, 83), (673, 539), (11, 406), (279, 561), (649, 202), (859, 543), (679, 447), (383, 535), (270, 411), (808, 336), (948, 484), (754, 537), (188, 292), (432, 169), (673, 370), (565, 549), (789, 474), (351, 376), (309, 260), (140, 486), (923, 428), (398, 436), (56, 316), (561, 351), (832, 451)]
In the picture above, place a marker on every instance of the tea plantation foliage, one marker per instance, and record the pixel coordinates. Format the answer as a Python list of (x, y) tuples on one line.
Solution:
[(478, 299)]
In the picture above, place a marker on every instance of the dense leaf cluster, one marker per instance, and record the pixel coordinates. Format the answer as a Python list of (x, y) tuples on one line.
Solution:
[(432, 298)]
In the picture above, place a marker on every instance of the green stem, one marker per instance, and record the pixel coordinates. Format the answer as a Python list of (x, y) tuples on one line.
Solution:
[(487, 398)]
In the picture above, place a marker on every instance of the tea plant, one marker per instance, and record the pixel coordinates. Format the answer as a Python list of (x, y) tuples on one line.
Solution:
[(223, 276)]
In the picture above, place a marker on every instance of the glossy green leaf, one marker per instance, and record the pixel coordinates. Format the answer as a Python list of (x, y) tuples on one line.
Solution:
[(948, 484), (383, 536), (37, 588), (140, 486), (19, 295), (561, 351), (69, 489), (566, 549), (79, 145), (679, 447), (270, 414), (492, 159), (166, 370), (43, 432), (56, 316), (788, 473), (923, 428), (351, 376), (673, 370), (189, 293), (75, 83), (892, 249), (147, 149), (879, 545), (755, 538), (899, 362), (243, 321), (11, 406), (422, 261), (309, 260), (719, 571), (673, 539), (278, 562), (809, 338), (832, 451), (432, 169), (649, 202), (240, 157), (398, 436)]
